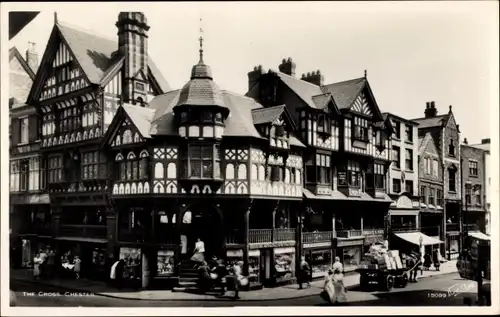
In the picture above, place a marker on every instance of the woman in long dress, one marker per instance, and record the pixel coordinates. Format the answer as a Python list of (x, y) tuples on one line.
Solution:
[(37, 261), (199, 252)]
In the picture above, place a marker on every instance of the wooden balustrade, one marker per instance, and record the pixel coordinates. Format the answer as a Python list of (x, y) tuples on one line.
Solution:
[(83, 231), (234, 236), (315, 237), (349, 233), (271, 235), (373, 232)]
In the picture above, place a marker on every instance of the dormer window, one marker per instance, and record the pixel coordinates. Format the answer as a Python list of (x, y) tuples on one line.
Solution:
[(360, 129)]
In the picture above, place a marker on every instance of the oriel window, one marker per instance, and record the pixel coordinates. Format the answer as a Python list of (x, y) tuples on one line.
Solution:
[(360, 129)]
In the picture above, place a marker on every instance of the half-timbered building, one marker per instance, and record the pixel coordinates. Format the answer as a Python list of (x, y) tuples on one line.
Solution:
[(346, 160), (204, 163), (82, 80)]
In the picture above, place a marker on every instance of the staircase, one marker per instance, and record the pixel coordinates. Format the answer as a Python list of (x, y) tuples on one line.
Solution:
[(188, 277)]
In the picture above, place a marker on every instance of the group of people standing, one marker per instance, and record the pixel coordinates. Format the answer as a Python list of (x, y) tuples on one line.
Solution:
[(435, 260), (45, 264)]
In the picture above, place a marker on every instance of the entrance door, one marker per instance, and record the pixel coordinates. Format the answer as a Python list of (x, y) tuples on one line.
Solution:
[(205, 224)]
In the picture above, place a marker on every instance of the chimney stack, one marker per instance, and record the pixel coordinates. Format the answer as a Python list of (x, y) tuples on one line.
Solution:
[(254, 76), (287, 66), (314, 78), (465, 141), (32, 57), (430, 110), (486, 141)]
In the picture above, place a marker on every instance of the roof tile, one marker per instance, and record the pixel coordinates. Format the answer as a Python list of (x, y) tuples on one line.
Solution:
[(141, 117), (436, 121), (344, 93), (267, 115)]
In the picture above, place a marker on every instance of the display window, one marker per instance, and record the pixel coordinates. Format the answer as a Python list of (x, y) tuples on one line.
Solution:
[(165, 263), (132, 258), (284, 263), (233, 257), (254, 266), (351, 258), (320, 261), (99, 257)]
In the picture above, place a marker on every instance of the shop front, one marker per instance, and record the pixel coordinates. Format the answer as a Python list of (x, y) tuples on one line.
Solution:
[(255, 266), (132, 271), (350, 251), (452, 245), (320, 260), (92, 253), (284, 265)]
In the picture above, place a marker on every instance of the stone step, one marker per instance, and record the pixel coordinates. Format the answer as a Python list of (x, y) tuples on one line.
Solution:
[(183, 279)]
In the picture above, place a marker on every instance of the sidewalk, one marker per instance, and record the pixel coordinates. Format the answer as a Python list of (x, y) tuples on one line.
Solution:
[(266, 294)]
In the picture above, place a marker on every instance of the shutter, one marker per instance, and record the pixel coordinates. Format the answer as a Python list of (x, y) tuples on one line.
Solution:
[(33, 127), (16, 131)]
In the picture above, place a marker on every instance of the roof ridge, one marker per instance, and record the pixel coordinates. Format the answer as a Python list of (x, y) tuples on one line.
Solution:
[(85, 30), (437, 116), (292, 77), (346, 81), (236, 94)]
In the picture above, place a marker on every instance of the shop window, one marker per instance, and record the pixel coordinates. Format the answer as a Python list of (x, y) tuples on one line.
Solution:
[(320, 261), (351, 258), (284, 264), (133, 261), (165, 263), (254, 267)]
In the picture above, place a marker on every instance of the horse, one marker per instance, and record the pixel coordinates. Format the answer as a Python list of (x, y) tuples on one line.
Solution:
[(414, 264)]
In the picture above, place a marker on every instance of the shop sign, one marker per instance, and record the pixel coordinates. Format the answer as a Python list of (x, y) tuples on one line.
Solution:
[(284, 250), (254, 253), (234, 253), (347, 243)]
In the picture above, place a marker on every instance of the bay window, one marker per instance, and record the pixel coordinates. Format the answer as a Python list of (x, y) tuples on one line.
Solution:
[(379, 176), (93, 166), (55, 169), (133, 168), (24, 175), (323, 123), (203, 161), (351, 177), (360, 129), (319, 171), (70, 119), (380, 139)]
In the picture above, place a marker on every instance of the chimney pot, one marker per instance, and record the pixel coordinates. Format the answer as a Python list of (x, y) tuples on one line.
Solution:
[(287, 67), (433, 104), (32, 57), (486, 141), (465, 141), (428, 105)]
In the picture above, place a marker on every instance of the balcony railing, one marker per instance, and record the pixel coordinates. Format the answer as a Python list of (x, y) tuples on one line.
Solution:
[(472, 227), (271, 235), (349, 233), (373, 232), (452, 227), (94, 231), (166, 237), (234, 236), (315, 237)]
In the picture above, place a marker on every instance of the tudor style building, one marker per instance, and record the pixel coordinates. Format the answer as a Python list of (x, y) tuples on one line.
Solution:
[(203, 163), (81, 81), (446, 135), (348, 153)]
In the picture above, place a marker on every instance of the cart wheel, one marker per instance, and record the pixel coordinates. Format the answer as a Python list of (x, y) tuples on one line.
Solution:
[(404, 280), (389, 282)]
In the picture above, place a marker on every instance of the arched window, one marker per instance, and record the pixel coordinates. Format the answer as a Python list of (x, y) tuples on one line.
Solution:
[(119, 157), (159, 173), (229, 171), (262, 173), (171, 170), (287, 175), (127, 137), (255, 172), (298, 179), (187, 217), (242, 171)]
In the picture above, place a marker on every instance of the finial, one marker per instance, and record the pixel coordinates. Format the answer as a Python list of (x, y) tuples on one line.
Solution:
[(201, 42), (365, 73), (55, 17), (450, 108)]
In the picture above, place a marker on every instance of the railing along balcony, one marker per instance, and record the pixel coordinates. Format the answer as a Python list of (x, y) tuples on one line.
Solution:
[(472, 227), (234, 236), (167, 237), (315, 237), (93, 231), (452, 227), (373, 232), (349, 233), (271, 235)]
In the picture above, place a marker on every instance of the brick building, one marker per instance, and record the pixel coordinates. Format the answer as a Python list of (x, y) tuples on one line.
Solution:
[(403, 175), (474, 187), (446, 135)]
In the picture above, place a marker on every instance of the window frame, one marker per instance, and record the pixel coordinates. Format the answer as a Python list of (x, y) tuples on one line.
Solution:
[(214, 159), (473, 168), (407, 183), (397, 162), (394, 182), (24, 130), (451, 148), (55, 169), (326, 126), (439, 197), (408, 133), (379, 176), (432, 196), (423, 194), (452, 180), (397, 130), (409, 160), (360, 129)]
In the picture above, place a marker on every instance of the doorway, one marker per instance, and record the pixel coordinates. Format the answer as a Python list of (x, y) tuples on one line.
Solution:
[(203, 222)]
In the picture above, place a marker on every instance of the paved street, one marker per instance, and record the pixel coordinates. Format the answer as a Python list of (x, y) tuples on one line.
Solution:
[(429, 292)]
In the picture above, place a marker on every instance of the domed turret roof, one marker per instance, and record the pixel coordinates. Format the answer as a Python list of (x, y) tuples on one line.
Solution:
[(201, 90)]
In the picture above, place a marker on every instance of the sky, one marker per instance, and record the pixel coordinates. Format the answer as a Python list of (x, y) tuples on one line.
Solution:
[(414, 52)]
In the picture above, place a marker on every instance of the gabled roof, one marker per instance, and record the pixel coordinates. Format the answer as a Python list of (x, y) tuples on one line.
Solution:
[(96, 54), (14, 52), (436, 121), (322, 101), (423, 142), (267, 115), (345, 93), (304, 90), (141, 117), (239, 122), (483, 146)]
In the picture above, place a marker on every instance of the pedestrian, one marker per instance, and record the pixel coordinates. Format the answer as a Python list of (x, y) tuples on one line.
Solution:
[(427, 261), (435, 260), (199, 252), (304, 273), (77, 266), (119, 272), (51, 262), (337, 265), (340, 296), (37, 261), (204, 279), (240, 280), (221, 272)]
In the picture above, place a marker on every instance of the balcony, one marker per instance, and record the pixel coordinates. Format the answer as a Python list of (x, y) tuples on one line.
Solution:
[(317, 237), (94, 231), (234, 236), (132, 236), (271, 235), (349, 233)]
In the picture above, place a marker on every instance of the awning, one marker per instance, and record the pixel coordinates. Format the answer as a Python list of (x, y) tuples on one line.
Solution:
[(479, 235), (404, 212), (418, 238), (336, 195), (82, 239)]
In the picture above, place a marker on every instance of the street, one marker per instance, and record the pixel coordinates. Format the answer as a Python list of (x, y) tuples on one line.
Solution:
[(445, 290)]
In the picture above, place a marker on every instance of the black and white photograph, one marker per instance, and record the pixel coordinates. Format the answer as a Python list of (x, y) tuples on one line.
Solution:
[(250, 158)]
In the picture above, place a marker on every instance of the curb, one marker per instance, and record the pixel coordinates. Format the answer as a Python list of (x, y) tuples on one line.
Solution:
[(214, 299)]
